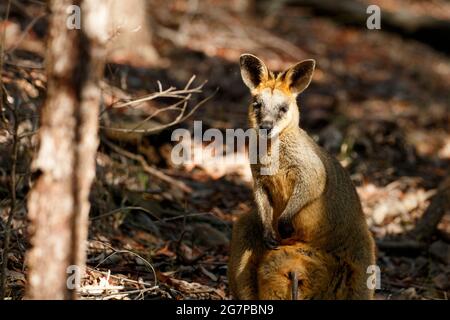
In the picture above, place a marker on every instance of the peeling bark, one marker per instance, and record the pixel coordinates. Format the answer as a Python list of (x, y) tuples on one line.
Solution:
[(58, 204)]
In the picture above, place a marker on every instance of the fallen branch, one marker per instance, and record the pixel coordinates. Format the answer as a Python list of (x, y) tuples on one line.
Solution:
[(116, 251), (171, 92), (121, 279), (415, 241), (424, 28), (180, 118), (112, 212), (26, 32), (403, 247), (439, 205), (184, 95), (147, 168), (105, 291)]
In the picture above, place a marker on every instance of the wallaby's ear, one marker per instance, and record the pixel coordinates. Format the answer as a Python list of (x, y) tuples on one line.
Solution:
[(299, 76), (253, 70)]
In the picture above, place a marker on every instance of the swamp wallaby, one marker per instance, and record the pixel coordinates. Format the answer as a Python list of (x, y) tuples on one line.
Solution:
[(308, 229)]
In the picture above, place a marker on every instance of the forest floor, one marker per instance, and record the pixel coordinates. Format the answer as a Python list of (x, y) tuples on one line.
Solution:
[(379, 103)]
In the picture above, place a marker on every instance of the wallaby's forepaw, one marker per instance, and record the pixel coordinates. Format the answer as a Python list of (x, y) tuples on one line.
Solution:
[(285, 227), (270, 241)]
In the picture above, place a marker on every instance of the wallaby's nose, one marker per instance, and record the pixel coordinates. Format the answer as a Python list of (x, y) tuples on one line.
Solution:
[(267, 125)]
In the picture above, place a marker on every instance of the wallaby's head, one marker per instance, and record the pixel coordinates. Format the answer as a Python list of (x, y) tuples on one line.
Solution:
[(274, 105)]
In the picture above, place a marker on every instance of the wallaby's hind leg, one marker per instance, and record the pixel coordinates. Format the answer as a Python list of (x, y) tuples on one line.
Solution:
[(245, 252)]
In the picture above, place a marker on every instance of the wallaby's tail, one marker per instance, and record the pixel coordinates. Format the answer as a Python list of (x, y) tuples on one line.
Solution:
[(299, 271), (294, 284)]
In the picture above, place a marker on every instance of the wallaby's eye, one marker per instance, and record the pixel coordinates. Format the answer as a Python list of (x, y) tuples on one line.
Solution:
[(284, 108), (256, 105)]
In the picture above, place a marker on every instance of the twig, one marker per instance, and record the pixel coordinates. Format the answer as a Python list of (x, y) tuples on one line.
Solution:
[(184, 95), (27, 134), (25, 64), (25, 32), (410, 247), (23, 7), (120, 278), (121, 209), (172, 107), (123, 294), (2, 58), (7, 232), (406, 285), (181, 117), (147, 168), (99, 290), (188, 216), (116, 251), (168, 93)]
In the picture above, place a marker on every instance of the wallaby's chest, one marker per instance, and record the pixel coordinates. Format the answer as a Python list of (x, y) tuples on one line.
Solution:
[(279, 188)]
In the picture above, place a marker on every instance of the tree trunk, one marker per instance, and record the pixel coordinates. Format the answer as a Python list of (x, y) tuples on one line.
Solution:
[(132, 41), (58, 204)]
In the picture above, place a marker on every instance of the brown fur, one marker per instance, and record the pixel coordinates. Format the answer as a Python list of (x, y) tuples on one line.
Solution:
[(311, 195), (320, 275)]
